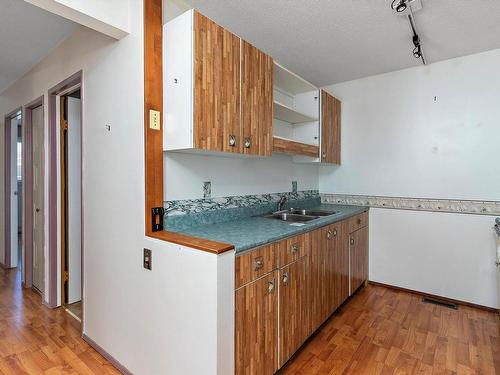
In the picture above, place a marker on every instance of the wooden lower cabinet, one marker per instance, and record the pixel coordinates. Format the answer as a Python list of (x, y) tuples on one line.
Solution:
[(358, 253), (293, 308), (256, 327), (313, 275), (340, 262)]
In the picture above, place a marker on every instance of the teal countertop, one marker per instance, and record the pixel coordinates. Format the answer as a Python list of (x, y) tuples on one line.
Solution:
[(250, 232)]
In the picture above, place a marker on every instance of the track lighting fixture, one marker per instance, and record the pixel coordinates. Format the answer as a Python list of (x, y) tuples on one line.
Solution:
[(399, 5), (406, 8)]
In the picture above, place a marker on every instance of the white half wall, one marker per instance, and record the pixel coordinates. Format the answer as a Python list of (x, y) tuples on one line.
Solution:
[(110, 17), (430, 132), (449, 255)]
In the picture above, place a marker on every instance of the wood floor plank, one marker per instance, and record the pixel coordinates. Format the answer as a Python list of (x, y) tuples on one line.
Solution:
[(41, 341), (385, 331)]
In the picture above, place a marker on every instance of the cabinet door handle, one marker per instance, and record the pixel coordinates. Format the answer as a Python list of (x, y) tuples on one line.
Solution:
[(323, 155), (248, 142), (295, 248), (284, 278), (359, 220), (335, 233), (232, 140), (352, 241), (329, 234), (258, 263), (270, 286)]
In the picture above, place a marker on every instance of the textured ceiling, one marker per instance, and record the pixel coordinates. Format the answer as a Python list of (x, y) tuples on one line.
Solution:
[(27, 35), (329, 41)]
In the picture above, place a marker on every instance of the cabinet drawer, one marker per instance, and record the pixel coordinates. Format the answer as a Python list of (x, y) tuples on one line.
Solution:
[(254, 264), (357, 222), (291, 249)]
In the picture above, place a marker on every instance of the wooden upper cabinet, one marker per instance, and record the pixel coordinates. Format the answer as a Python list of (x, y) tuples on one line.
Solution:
[(330, 128), (256, 327), (216, 106), (257, 101)]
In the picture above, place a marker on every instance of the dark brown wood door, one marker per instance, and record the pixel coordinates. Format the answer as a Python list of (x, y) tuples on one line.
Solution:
[(216, 107), (294, 308), (318, 277), (256, 327), (358, 246), (340, 259), (257, 101), (330, 128)]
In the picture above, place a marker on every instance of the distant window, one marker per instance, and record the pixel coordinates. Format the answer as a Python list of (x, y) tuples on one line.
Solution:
[(19, 160)]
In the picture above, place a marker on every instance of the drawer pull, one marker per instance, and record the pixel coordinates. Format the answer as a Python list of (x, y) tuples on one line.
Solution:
[(270, 286), (284, 278), (295, 248), (232, 140), (352, 241), (258, 263)]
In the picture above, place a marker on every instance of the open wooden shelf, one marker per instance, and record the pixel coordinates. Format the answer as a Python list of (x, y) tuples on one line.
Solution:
[(285, 113), (287, 146)]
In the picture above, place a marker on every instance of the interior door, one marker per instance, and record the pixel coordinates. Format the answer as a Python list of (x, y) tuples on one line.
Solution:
[(14, 198), (73, 187), (37, 123)]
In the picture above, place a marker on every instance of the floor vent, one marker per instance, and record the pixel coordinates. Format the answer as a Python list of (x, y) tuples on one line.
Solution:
[(440, 302)]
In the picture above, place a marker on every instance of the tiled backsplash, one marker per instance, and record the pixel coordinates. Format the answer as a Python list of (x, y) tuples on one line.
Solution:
[(180, 215), (417, 204), (189, 206)]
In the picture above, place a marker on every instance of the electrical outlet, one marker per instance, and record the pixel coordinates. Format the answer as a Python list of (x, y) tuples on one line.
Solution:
[(207, 189), (154, 119), (147, 260)]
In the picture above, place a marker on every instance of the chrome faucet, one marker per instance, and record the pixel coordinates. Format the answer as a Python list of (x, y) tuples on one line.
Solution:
[(281, 203)]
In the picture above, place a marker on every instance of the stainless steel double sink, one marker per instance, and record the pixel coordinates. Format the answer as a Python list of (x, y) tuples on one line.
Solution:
[(299, 215)]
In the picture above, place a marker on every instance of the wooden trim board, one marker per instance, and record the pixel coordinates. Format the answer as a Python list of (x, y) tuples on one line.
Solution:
[(290, 147), (153, 138)]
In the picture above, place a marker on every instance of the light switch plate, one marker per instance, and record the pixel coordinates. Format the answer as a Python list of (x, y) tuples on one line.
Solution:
[(154, 119)]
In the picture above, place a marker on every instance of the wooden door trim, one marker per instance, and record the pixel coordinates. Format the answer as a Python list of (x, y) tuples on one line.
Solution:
[(28, 195), (52, 212), (153, 139)]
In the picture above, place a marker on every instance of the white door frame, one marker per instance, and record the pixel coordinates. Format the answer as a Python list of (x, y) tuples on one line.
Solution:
[(6, 262)]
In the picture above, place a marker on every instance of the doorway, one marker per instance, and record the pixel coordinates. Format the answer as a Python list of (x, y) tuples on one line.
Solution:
[(12, 251), (70, 201)]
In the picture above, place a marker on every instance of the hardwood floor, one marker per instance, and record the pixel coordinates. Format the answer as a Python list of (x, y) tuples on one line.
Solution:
[(38, 340), (383, 331), (378, 331)]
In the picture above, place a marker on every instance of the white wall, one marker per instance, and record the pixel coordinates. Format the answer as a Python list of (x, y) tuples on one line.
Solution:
[(398, 141), (184, 175), (153, 322), (445, 254), (425, 132)]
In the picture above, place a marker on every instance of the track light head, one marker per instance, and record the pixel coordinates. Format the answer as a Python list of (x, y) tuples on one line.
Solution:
[(399, 5)]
